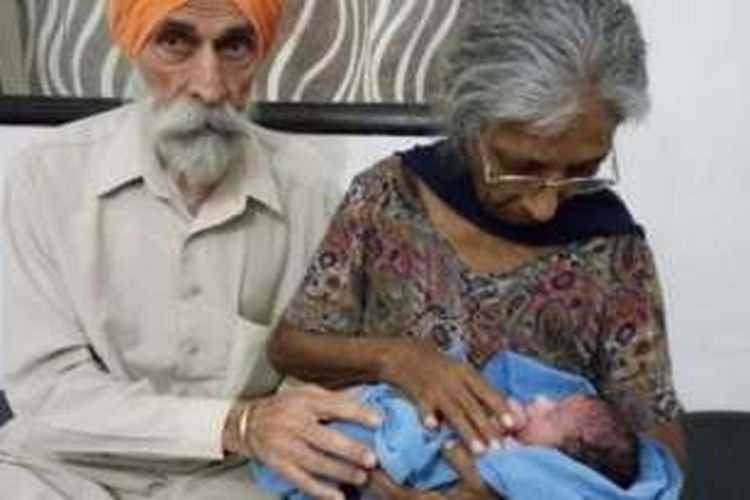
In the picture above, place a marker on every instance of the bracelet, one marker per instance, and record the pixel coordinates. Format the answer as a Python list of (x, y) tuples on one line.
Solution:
[(244, 417)]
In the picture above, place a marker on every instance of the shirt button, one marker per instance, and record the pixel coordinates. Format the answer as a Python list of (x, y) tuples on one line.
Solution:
[(156, 486), (192, 290), (190, 348)]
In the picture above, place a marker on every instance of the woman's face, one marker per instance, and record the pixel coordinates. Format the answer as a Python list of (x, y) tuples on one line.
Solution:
[(523, 150)]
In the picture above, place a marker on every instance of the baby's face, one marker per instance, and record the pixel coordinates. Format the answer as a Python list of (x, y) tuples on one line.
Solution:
[(546, 422)]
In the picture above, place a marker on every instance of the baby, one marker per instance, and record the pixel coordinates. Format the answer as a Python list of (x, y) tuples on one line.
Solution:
[(582, 427), (566, 444)]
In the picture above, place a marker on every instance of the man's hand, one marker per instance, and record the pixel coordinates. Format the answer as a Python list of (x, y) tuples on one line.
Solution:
[(444, 389), (287, 433), (470, 486)]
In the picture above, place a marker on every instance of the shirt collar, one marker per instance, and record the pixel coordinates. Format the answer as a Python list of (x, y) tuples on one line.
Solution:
[(257, 179), (125, 156)]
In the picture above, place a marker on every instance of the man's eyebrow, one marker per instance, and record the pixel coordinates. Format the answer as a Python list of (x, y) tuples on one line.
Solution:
[(178, 26), (242, 31)]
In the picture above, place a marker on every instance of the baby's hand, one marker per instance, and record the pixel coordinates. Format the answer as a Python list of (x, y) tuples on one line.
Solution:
[(510, 443), (518, 414)]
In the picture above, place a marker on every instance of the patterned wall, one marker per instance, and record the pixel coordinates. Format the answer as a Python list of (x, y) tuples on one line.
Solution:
[(329, 50)]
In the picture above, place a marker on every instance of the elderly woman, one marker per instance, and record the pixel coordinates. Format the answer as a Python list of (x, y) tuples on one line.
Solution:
[(504, 236)]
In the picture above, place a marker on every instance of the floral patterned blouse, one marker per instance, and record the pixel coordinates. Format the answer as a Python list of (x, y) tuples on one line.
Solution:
[(593, 308)]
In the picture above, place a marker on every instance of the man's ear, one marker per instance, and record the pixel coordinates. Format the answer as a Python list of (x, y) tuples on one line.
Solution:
[(136, 86)]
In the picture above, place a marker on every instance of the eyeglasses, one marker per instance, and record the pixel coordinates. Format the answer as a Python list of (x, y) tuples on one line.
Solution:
[(568, 186)]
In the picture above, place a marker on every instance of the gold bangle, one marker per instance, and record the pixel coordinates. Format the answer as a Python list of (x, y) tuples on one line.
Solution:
[(244, 417)]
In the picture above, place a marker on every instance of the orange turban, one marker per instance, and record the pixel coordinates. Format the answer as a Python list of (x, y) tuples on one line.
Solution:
[(132, 21)]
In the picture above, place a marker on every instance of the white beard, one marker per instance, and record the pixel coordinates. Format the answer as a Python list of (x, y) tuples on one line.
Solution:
[(196, 143)]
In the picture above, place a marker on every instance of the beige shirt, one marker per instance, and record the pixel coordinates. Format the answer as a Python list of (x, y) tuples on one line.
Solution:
[(130, 325)]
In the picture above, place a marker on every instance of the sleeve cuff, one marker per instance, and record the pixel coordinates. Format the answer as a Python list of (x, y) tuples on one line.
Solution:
[(201, 425)]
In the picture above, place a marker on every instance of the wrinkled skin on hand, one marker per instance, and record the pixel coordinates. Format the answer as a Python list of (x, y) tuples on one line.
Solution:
[(287, 433), (445, 390)]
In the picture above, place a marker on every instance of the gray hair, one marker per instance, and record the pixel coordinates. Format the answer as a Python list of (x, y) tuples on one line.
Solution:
[(534, 61), (193, 139)]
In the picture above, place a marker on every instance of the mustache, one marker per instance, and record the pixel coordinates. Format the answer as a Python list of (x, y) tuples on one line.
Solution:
[(186, 119)]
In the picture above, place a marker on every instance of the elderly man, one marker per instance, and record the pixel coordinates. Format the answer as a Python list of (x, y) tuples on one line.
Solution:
[(149, 251)]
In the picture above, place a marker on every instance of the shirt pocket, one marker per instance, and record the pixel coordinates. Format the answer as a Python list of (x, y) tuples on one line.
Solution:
[(249, 370)]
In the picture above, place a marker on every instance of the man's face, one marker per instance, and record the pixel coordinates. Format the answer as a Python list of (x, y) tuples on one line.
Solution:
[(548, 422), (199, 64), (205, 51)]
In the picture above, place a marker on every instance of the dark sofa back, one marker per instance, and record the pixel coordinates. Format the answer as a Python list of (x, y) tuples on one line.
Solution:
[(718, 456), (5, 413)]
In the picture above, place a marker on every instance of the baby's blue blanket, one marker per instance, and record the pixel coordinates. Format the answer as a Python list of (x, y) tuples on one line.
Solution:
[(411, 454)]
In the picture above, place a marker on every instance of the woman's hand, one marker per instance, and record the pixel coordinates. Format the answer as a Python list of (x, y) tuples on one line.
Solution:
[(444, 389), (286, 432), (470, 486)]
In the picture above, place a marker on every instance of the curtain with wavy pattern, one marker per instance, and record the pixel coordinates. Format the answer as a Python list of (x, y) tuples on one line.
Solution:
[(329, 50)]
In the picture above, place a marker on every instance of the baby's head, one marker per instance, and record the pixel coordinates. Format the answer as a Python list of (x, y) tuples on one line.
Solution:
[(586, 429)]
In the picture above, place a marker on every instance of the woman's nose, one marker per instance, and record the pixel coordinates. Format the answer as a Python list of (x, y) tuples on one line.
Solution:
[(542, 205)]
